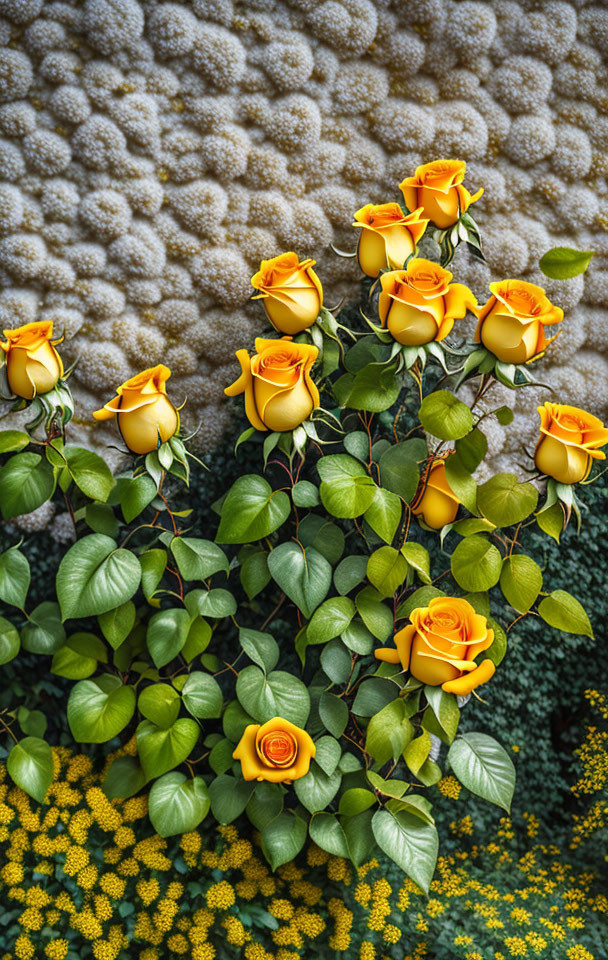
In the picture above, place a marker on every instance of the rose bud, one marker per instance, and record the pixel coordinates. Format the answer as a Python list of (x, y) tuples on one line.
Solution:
[(388, 236), (279, 392), (435, 502), (291, 291), (569, 442), (512, 323), (146, 417), (437, 188), (419, 304), (33, 365), (276, 751), (440, 644)]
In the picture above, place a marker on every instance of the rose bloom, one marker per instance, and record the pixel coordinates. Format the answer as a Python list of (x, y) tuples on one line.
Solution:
[(146, 417), (570, 439), (33, 365), (435, 502), (388, 236), (276, 381), (440, 643), (437, 188), (512, 323), (277, 751), (291, 291), (419, 304)]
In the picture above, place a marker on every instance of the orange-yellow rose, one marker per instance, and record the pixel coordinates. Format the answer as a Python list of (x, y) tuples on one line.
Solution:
[(440, 644), (276, 381), (277, 751), (419, 304), (437, 188), (570, 439), (291, 291), (512, 323), (33, 365), (388, 236), (435, 502), (146, 417)]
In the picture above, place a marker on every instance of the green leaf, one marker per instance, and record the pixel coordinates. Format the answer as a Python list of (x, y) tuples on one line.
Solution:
[(99, 709), (159, 703), (14, 577), (384, 514), (95, 576), (30, 766), (162, 750), (255, 574), (386, 570), (220, 758), (461, 483), (445, 709), (375, 388), (377, 618), (551, 521), (13, 440), (563, 263), (498, 648), (116, 624), (280, 694), (135, 495), (234, 721), (388, 788), (124, 779), (198, 559), (26, 482), (324, 535), (153, 564), (100, 518), (197, 640), (166, 635), (89, 472), (505, 501), (349, 573), (326, 831), (336, 661), (252, 511), (44, 631), (359, 836), (265, 804), (504, 415), (521, 581), (302, 574), (484, 768), (328, 754), (373, 695), (283, 839), (333, 713), (316, 789), (399, 467), (346, 489), (563, 611), (358, 638), (388, 732), (305, 494), (444, 416), (330, 620), (177, 805), (417, 557), (216, 603), (77, 659), (417, 751), (471, 449), (9, 641), (419, 598), (410, 842), (356, 800), (229, 797), (260, 647), (202, 695), (476, 564)]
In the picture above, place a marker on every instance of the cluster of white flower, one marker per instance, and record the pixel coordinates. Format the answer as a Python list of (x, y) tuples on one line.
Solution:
[(152, 153)]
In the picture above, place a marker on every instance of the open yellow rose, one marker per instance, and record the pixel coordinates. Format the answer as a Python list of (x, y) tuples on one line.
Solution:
[(277, 751), (437, 188), (512, 323), (276, 381), (388, 236), (435, 502), (33, 365), (419, 304), (146, 416), (440, 644), (570, 439), (291, 291)]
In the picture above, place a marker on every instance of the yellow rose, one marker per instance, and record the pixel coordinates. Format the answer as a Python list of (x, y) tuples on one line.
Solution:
[(277, 751), (33, 365), (388, 236), (435, 502), (279, 392), (569, 442), (512, 323), (437, 188), (419, 304), (291, 291), (146, 416), (440, 644)]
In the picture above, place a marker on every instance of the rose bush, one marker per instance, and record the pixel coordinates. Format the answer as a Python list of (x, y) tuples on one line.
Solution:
[(367, 456)]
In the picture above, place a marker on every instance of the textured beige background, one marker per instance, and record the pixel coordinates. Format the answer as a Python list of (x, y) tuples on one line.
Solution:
[(152, 153)]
